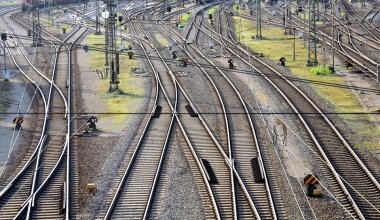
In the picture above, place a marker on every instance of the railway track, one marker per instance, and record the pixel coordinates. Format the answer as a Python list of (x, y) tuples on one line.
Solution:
[(16, 192), (48, 194), (353, 177), (149, 178), (347, 49), (257, 189), (245, 148)]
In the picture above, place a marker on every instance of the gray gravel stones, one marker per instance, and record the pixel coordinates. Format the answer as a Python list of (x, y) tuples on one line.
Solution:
[(181, 200)]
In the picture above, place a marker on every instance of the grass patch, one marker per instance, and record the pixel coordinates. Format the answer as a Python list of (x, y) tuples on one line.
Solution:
[(130, 93), (276, 45), (9, 3), (213, 9), (184, 19), (238, 8), (46, 23), (319, 70), (211, 13), (161, 40)]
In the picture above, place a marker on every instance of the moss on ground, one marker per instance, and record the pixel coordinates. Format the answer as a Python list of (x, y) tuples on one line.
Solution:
[(130, 93), (276, 44)]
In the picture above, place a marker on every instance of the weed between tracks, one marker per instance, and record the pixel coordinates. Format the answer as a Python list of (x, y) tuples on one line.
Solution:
[(161, 40), (276, 44), (213, 9), (184, 18), (131, 92)]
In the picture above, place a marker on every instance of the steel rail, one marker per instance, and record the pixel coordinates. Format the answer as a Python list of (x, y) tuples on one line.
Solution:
[(174, 111), (42, 137), (182, 129), (67, 118), (216, 142), (54, 72), (31, 200), (223, 106), (68, 163), (141, 139), (253, 130), (20, 173)]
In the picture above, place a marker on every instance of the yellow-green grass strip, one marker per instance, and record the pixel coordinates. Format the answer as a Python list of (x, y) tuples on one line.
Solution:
[(161, 40), (9, 3), (184, 18)]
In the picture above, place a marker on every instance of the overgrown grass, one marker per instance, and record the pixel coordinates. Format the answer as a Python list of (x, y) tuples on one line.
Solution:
[(185, 18), (319, 70), (9, 3), (213, 9), (46, 23), (238, 8), (161, 40), (275, 45), (130, 93)]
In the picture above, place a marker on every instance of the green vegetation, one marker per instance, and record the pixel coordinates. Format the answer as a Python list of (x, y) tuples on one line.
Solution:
[(237, 8), (130, 93), (184, 19), (319, 70), (9, 3), (46, 23), (276, 45), (213, 9), (161, 40)]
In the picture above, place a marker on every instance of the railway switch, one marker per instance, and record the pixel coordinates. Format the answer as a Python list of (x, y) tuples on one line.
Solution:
[(18, 121)]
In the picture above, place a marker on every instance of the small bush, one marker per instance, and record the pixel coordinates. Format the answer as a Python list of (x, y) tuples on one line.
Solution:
[(320, 72)]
